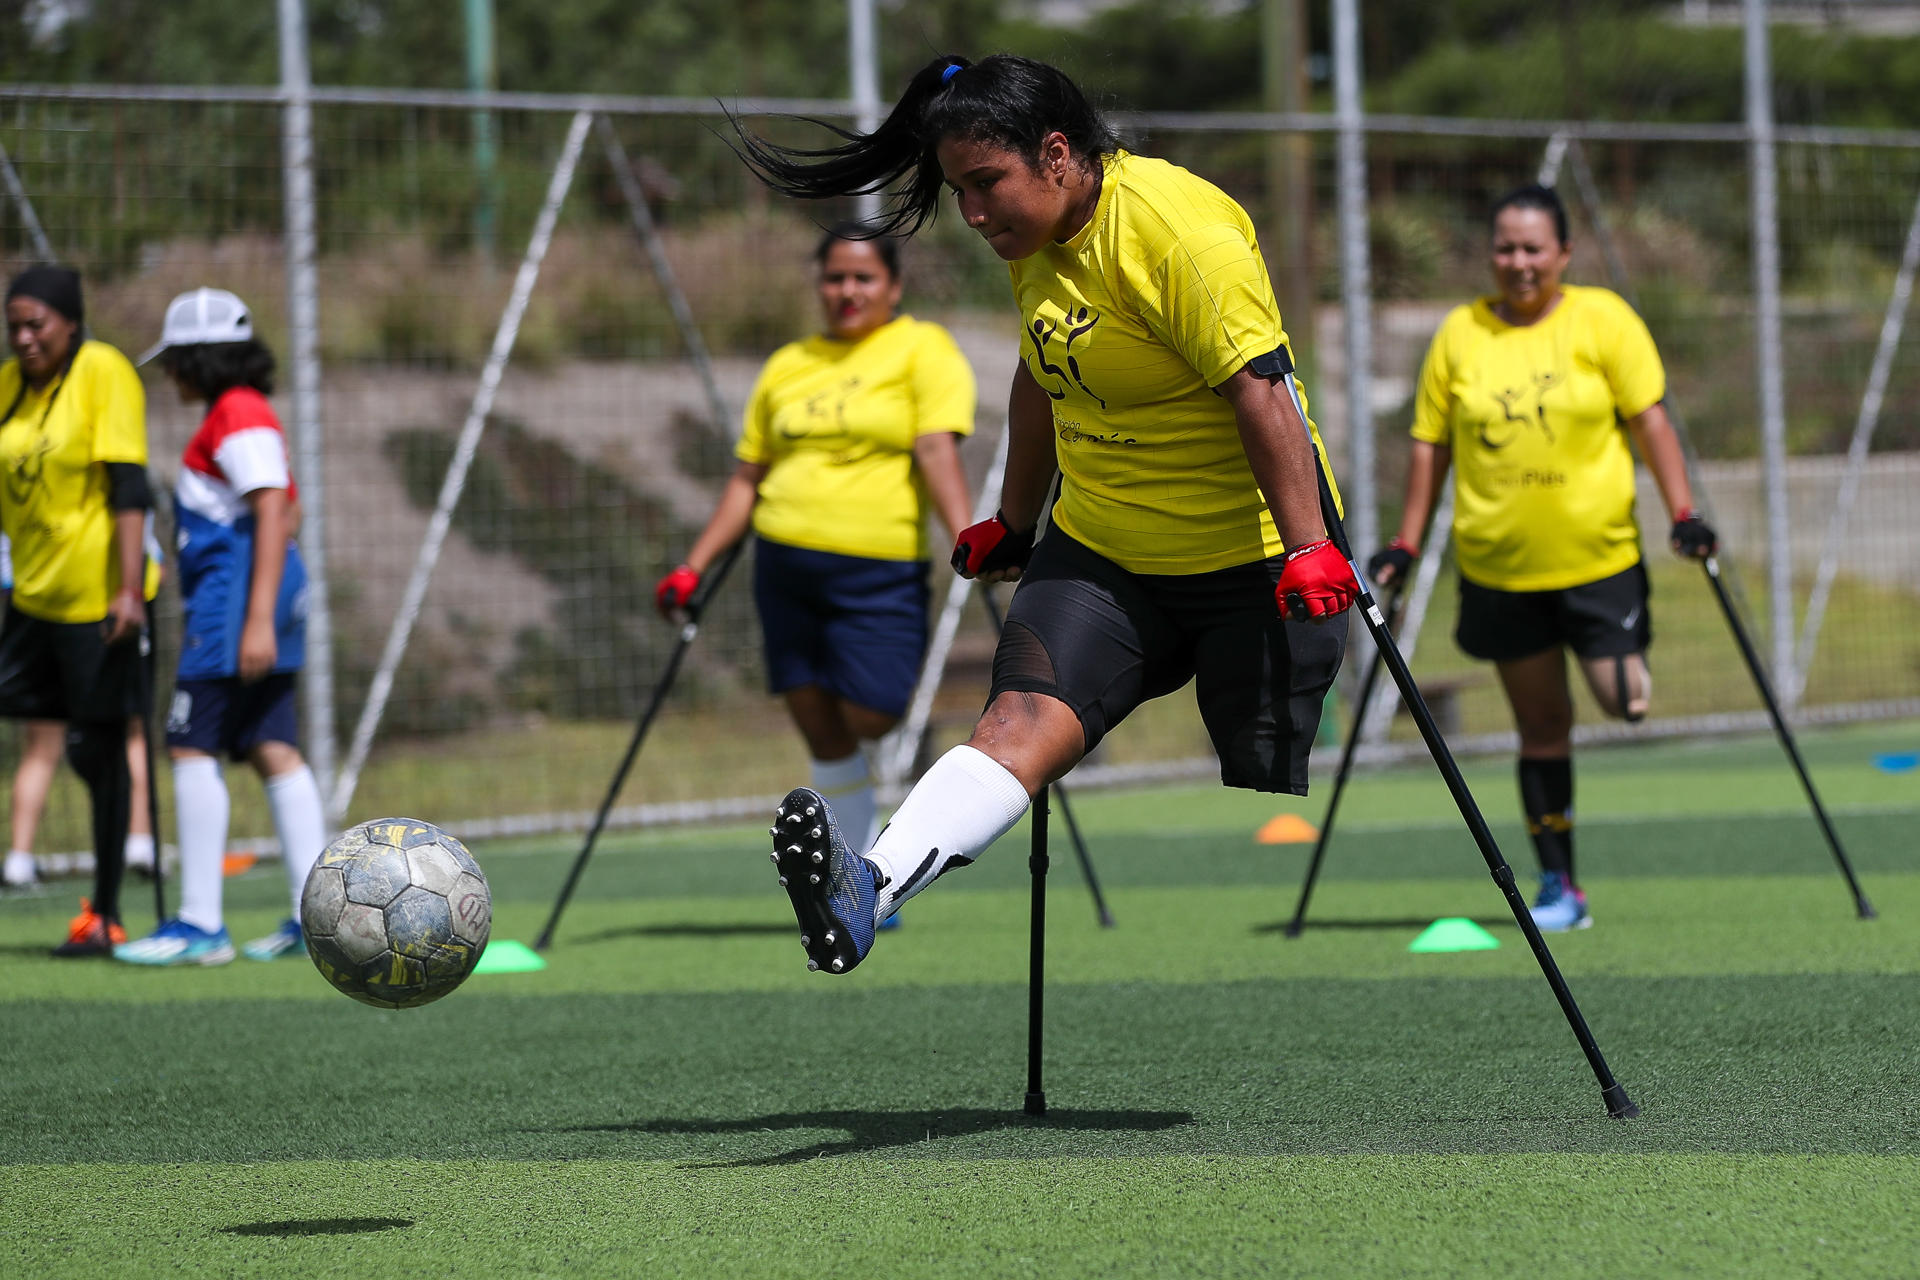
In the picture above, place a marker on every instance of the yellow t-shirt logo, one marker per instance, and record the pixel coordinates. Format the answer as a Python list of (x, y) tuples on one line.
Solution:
[(1508, 399), (1073, 325)]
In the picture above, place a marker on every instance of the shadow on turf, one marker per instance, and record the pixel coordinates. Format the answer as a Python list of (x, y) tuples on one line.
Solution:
[(881, 1130), (317, 1227), (750, 929), (1415, 922)]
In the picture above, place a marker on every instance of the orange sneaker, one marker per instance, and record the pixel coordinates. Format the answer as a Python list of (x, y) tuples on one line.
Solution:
[(91, 934)]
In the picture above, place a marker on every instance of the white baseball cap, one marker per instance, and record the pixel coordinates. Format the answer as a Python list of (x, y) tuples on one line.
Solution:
[(203, 316)]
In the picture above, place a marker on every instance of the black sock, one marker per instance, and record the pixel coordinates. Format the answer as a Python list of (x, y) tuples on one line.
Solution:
[(98, 753), (1546, 796)]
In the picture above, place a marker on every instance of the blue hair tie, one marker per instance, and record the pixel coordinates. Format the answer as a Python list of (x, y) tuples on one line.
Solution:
[(953, 69)]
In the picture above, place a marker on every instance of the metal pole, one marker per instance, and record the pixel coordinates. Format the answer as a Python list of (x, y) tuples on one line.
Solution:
[(643, 227), (1363, 508), (483, 76), (303, 324), (1765, 213), (1283, 61), (863, 74), (18, 192), (456, 478), (1863, 429)]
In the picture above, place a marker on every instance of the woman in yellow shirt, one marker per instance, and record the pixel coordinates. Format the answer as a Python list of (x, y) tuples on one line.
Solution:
[(1530, 397), (74, 502), (851, 436), (1188, 517)]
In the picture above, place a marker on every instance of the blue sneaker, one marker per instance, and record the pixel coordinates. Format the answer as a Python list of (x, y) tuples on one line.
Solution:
[(891, 923), (177, 942), (1560, 906), (276, 944), (832, 889)]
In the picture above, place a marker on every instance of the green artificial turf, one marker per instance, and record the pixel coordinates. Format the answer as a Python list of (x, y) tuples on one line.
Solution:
[(675, 1095)]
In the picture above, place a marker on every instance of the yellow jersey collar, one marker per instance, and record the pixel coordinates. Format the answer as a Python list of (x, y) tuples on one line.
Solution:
[(1109, 172)]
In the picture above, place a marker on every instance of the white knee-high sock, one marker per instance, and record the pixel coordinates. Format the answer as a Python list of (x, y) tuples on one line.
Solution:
[(848, 786), (961, 805), (200, 811), (301, 824)]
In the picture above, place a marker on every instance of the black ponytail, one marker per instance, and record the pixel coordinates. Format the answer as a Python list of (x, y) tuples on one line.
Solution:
[(1011, 101)]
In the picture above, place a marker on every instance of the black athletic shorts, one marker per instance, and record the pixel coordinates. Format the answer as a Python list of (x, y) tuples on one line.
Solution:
[(67, 671), (1104, 640), (1603, 619)]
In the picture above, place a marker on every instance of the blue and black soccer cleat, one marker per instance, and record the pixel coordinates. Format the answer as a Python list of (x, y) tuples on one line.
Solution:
[(1560, 906), (831, 887)]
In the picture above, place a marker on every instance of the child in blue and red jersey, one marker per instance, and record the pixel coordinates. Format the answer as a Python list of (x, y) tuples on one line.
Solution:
[(244, 639)]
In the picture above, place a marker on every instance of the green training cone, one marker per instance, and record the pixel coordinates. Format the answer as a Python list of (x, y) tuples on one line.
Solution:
[(506, 956), (1450, 933)]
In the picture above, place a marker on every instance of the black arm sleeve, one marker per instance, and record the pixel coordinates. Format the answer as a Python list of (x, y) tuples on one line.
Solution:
[(127, 487)]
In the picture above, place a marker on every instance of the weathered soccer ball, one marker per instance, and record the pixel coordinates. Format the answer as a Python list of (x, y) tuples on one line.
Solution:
[(396, 913)]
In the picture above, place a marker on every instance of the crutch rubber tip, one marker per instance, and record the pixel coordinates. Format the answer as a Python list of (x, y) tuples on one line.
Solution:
[(1619, 1105), (1036, 1104), (1292, 930), (1866, 909)]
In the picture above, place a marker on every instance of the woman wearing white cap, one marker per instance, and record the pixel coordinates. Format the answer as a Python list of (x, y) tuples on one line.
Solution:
[(244, 637)]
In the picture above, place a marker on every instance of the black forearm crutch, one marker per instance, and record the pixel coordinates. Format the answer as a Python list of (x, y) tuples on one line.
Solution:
[(696, 605), (1060, 793), (1036, 1100), (146, 661), (1279, 366), (1712, 566), (1360, 706)]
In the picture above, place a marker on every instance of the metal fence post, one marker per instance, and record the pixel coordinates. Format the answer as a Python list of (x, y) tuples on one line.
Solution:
[(303, 325), (1363, 508), (1765, 211)]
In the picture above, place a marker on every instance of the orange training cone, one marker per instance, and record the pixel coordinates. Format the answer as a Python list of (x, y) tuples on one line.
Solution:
[(1287, 828)]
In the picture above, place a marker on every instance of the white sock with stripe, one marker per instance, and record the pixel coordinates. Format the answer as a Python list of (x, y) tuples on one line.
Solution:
[(301, 823), (200, 812), (960, 806), (848, 786)]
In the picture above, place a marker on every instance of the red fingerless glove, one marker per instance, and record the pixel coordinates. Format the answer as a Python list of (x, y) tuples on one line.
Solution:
[(990, 545), (675, 590), (1315, 582)]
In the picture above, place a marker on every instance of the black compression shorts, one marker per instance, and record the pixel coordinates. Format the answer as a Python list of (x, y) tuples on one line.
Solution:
[(67, 671), (1104, 640), (1603, 619)]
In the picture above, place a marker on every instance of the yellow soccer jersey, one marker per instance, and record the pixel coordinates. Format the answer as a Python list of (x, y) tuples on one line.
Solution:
[(1128, 327), (835, 423), (1542, 473), (54, 505)]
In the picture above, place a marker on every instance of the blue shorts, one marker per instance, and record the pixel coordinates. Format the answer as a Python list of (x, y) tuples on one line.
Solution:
[(855, 627), (226, 716)]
